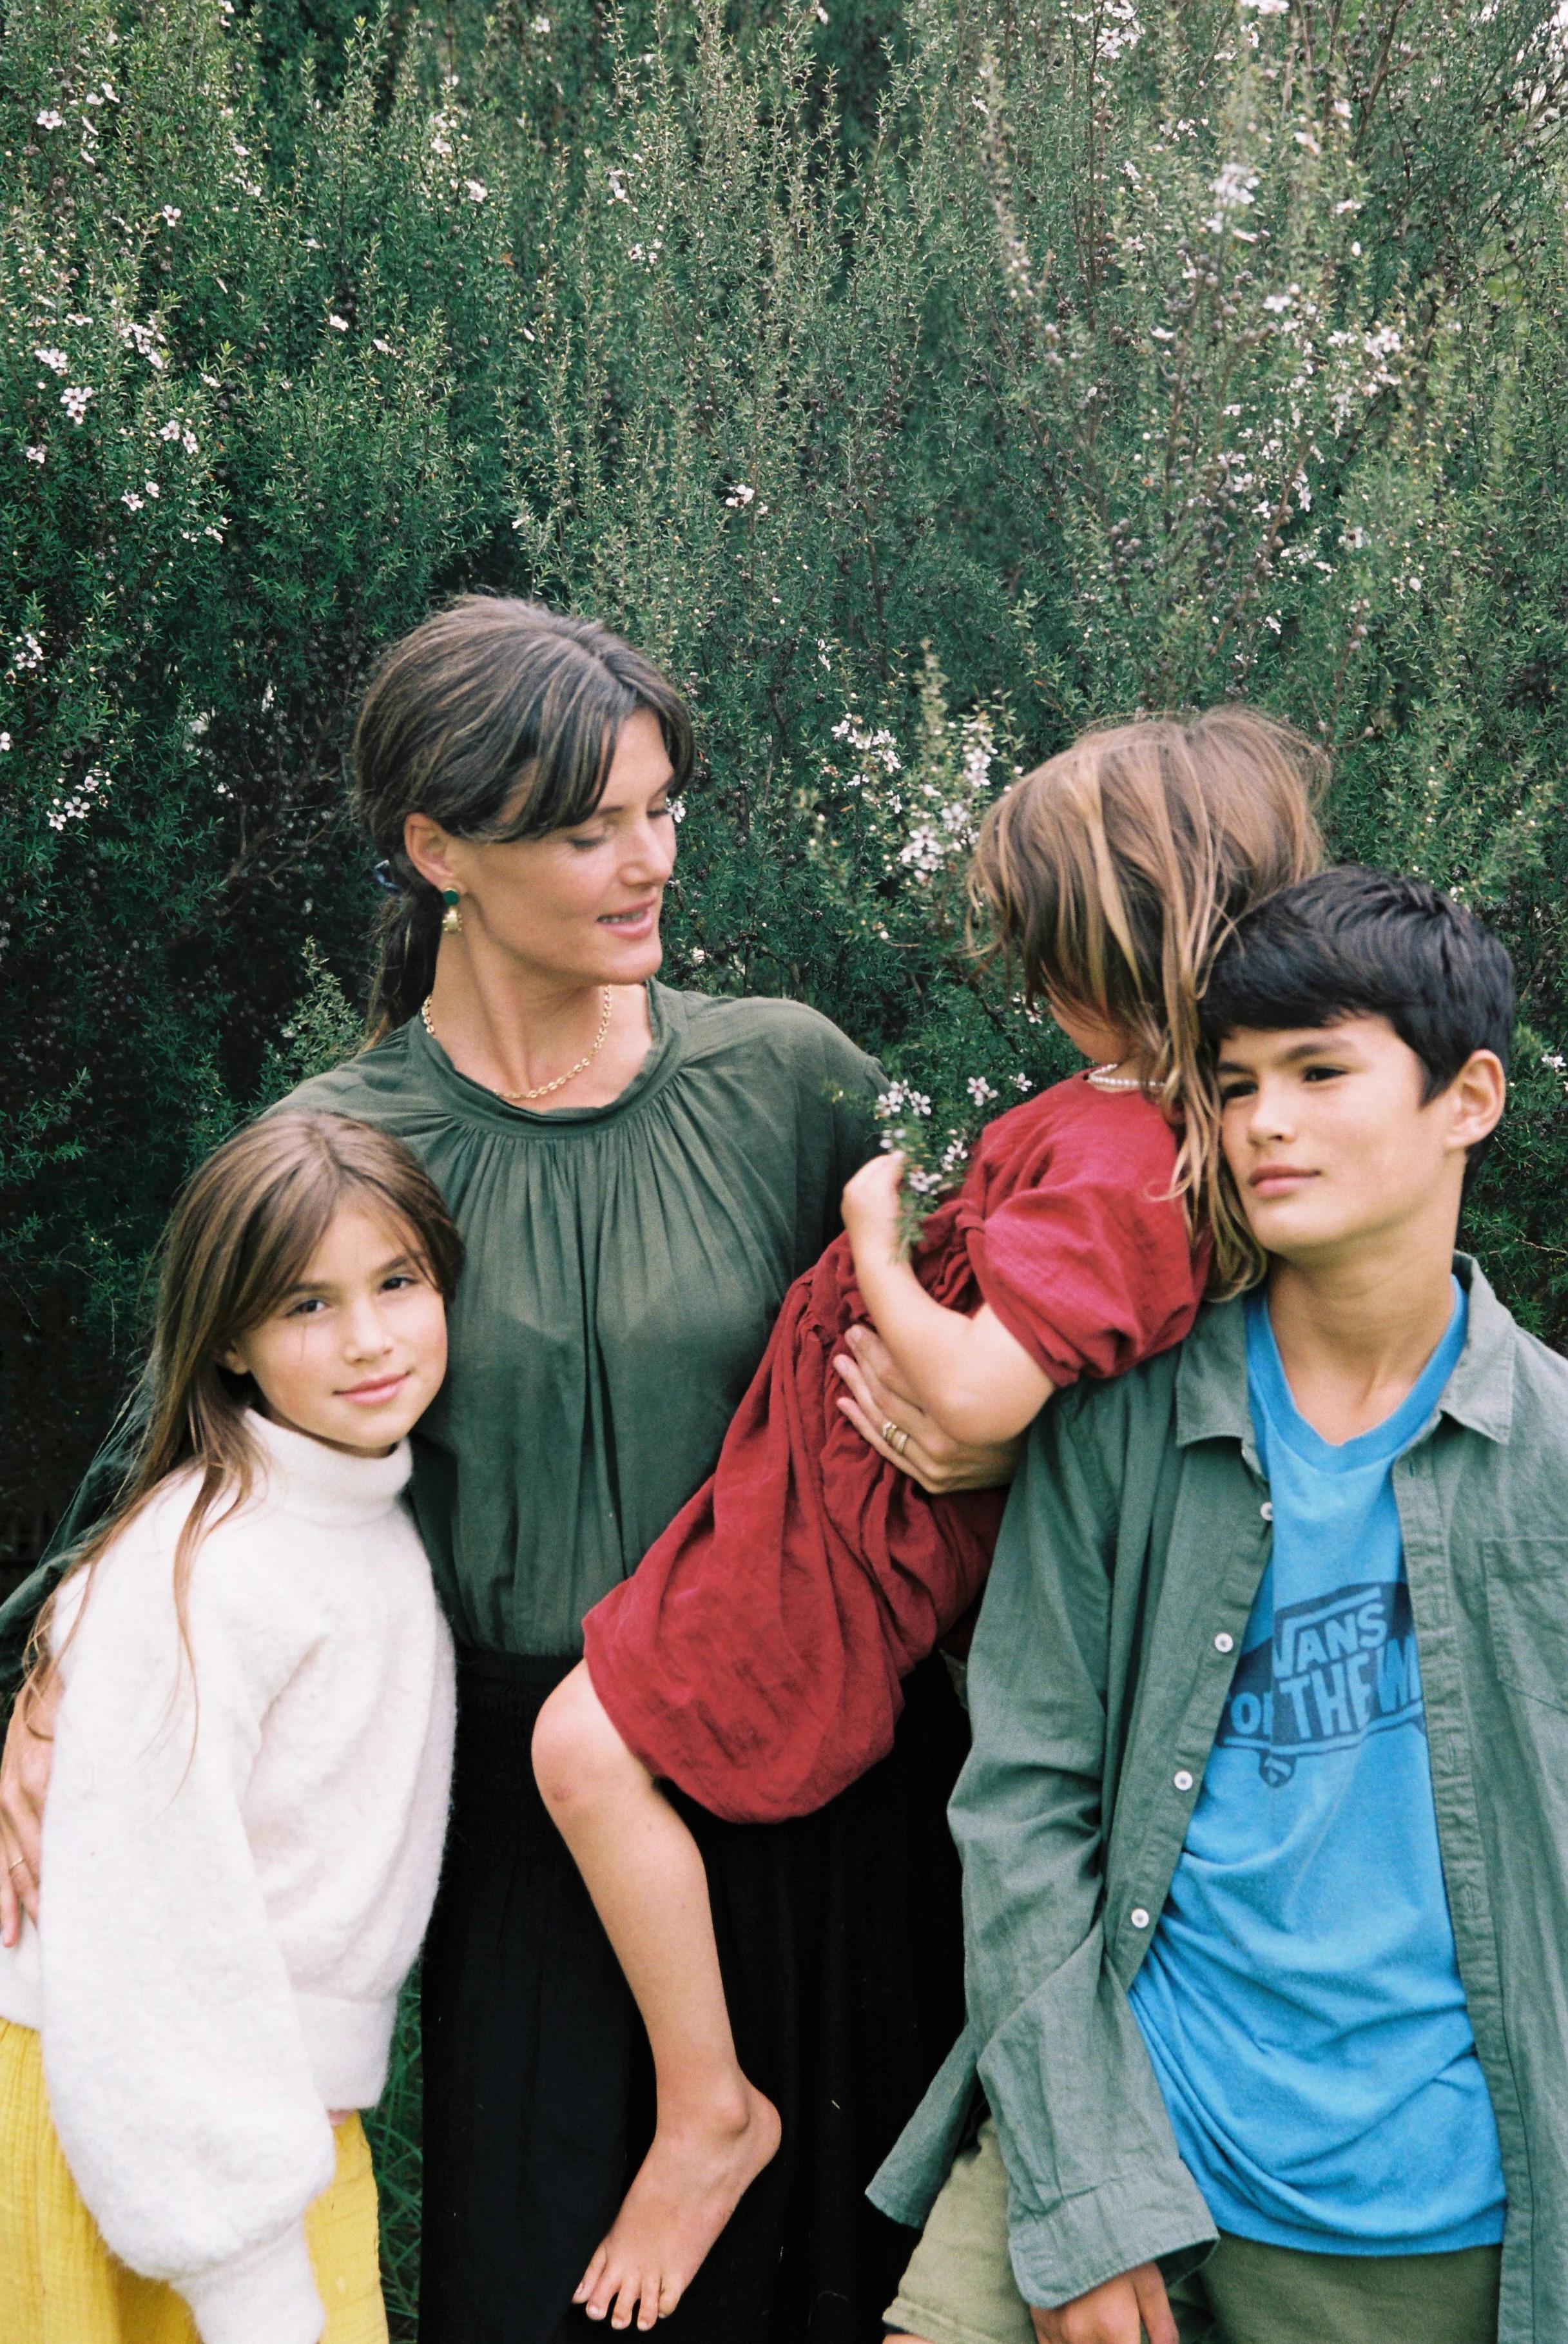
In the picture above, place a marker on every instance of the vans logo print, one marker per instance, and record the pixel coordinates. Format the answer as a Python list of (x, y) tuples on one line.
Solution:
[(1336, 1669)]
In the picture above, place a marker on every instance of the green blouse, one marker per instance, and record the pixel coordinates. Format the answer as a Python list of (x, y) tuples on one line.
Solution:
[(625, 1264)]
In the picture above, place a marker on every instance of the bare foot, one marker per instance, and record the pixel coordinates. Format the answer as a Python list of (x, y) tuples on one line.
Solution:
[(690, 2183)]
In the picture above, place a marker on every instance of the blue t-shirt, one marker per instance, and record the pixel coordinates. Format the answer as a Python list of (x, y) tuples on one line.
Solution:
[(1301, 2000)]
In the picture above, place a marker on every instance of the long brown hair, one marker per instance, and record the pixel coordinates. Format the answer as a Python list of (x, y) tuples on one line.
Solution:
[(1113, 873), (239, 1237), (499, 719)]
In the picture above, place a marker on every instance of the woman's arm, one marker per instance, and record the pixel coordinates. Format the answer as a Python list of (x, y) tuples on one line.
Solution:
[(877, 1399), (970, 1375), (29, 1739), (24, 1787)]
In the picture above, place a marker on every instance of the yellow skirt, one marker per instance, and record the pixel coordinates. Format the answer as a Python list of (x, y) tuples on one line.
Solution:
[(59, 2284)]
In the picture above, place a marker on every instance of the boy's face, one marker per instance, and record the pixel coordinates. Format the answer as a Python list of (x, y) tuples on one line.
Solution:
[(1332, 1148)]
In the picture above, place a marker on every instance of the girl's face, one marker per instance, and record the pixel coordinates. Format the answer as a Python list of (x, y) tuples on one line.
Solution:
[(578, 906), (354, 1353)]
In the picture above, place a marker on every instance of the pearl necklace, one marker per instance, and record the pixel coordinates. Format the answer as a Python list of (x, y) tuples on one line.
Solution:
[(520, 1098), (1106, 1078)]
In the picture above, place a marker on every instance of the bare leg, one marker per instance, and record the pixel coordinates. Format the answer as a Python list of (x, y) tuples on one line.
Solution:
[(644, 1873)]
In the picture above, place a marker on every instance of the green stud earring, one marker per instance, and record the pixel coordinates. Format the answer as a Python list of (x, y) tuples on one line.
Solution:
[(452, 918)]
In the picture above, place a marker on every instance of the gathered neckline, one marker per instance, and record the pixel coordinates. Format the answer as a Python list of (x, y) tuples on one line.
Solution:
[(479, 1105)]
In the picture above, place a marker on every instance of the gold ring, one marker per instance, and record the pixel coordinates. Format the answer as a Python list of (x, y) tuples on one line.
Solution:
[(895, 1435), (20, 1864)]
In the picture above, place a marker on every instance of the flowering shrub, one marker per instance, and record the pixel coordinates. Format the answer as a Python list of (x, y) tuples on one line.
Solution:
[(1087, 355)]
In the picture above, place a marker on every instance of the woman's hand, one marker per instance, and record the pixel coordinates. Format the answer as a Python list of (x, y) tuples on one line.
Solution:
[(24, 1787), (872, 1207), (874, 1396)]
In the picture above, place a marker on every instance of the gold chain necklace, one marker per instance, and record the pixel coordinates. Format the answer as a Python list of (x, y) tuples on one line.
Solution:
[(1106, 1078), (519, 1098)]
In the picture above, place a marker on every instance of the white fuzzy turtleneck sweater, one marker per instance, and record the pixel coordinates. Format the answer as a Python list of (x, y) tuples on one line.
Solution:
[(224, 1927)]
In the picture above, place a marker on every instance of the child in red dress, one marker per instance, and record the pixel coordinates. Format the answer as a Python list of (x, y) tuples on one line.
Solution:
[(757, 1656)]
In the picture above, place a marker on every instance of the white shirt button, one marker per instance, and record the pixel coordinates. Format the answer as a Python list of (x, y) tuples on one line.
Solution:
[(1138, 1917), (1266, 1509), (1224, 1644), (1182, 1779)]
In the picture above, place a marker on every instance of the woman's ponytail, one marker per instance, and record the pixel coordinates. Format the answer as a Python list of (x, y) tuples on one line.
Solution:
[(407, 940)]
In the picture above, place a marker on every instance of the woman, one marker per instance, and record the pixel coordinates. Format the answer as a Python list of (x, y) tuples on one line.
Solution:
[(638, 1174)]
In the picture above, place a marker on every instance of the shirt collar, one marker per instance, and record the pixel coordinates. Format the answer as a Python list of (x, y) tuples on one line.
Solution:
[(1211, 1374)]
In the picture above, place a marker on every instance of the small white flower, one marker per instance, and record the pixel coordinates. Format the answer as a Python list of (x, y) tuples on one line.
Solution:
[(979, 1089), (172, 215), (5, 743), (338, 325), (1234, 186), (169, 430), (541, 24), (740, 496), (48, 119), (1023, 1082), (617, 182), (56, 360), (38, 456), (477, 190), (698, 955), (130, 498), (74, 398), (152, 487), (1552, 1058)]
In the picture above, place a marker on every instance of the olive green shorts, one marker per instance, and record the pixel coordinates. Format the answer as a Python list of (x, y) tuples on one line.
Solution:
[(959, 2287)]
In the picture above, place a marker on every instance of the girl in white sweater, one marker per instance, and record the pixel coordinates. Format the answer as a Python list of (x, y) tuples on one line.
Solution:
[(253, 1747)]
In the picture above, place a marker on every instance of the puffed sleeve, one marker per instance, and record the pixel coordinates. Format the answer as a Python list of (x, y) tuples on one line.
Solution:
[(1091, 1269)]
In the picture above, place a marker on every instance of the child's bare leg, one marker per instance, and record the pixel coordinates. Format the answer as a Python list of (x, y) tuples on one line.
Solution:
[(644, 1873)]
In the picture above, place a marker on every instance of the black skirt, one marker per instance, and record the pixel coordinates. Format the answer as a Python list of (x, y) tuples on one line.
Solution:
[(840, 1944)]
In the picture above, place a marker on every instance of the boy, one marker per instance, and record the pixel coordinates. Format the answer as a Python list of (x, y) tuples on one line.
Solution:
[(1266, 1826)]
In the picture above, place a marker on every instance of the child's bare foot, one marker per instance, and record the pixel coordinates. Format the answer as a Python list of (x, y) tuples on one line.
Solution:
[(690, 2183)]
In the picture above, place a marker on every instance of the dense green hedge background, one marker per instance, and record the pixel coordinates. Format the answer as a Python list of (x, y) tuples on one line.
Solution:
[(918, 380)]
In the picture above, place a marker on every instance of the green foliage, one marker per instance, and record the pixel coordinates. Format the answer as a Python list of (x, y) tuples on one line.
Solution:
[(918, 387)]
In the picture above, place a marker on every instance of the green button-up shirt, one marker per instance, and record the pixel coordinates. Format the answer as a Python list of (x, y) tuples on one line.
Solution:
[(1133, 1547)]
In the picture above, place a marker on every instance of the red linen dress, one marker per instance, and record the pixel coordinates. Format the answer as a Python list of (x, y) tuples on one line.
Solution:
[(755, 1657)]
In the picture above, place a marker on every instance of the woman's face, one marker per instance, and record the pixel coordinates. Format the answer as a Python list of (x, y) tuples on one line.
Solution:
[(579, 907)]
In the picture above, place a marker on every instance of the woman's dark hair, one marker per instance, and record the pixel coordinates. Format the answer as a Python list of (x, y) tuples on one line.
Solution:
[(499, 719), (1354, 942)]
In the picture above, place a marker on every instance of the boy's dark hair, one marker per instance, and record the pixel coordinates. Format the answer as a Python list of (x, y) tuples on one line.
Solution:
[(1355, 943)]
